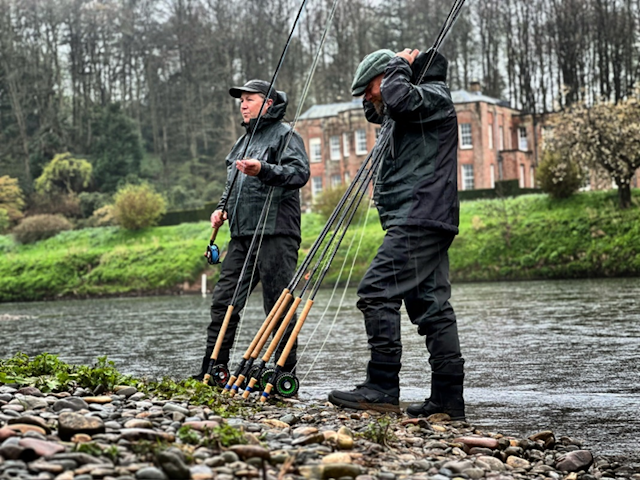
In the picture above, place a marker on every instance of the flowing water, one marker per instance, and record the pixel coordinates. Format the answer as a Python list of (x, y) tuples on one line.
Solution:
[(560, 355)]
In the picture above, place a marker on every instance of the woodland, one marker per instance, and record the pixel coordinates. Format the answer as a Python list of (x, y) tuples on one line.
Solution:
[(139, 88)]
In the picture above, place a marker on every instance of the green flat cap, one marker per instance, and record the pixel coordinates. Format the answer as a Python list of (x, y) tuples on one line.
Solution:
[(370, 67)]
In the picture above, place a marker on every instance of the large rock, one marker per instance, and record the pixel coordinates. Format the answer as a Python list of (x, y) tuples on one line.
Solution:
[(71, 403), (70, 423), (575, 461), (41, 447), (484, 442)]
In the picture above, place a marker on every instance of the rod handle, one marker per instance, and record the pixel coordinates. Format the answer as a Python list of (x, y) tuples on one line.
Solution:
[(221, 334), (248, 390), (265, 394)]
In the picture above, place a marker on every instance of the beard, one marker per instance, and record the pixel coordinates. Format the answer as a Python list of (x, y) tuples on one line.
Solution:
[(379, 106)]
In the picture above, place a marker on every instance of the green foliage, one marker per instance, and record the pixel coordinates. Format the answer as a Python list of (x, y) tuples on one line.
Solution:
[(4, 221), (67, 205), (138, 206), (188, 435), (90, 448), (558, 175), (116, 149), (326, 202), (103, 373), (40, 227), (92, 201), (378, 431), (226, 435), (11, 198), (64, 174)]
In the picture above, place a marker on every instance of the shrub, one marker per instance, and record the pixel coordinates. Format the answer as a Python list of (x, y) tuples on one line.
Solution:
[(326, 202), (138, 206), (55, 204), (4, 220), (11, 198), (39, 227), (558, 175), (64, 174), (92, 201), (103, 217)]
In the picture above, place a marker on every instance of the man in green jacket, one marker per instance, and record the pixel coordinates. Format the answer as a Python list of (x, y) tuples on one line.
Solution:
[(417, 200), (275, 158)]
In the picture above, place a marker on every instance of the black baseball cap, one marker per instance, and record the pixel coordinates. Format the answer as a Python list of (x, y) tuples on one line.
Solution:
[(253, 86)]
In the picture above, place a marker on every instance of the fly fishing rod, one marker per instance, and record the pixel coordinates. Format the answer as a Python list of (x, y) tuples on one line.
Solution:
[(249, 371), (348, 212), (212, 252), (286, 383)]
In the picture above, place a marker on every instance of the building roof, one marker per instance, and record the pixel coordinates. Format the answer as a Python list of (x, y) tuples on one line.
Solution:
[(464, 96), (333, 109)]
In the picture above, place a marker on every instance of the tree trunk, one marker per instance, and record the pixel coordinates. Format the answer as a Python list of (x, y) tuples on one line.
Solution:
[(624, 195)]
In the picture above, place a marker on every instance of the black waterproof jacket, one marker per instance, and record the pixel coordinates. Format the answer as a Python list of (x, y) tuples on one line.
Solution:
[(284, 165), (417, 180)]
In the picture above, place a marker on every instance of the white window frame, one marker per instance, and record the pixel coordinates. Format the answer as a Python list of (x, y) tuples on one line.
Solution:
[(360, 137), (523, 142), (316, 186), (467, 180), (336, 180), (500, 137), (345, 144), (334, 147), (492, 176), (466, 137), (491, 136), (315, 150), (521, 176), (532, 176)]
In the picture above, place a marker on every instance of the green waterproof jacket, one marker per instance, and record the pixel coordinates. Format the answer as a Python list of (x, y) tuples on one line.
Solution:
[(284, 165), (417, 180)]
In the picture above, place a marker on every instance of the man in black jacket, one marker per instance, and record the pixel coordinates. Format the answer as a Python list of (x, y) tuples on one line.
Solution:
[(417, 201), (275, 158)]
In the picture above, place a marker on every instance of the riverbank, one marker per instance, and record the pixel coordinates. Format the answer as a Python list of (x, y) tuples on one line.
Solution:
[(528, 237), (67, 422)]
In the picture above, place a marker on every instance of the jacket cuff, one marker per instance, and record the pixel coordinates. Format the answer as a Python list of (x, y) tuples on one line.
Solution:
[(265, 168)]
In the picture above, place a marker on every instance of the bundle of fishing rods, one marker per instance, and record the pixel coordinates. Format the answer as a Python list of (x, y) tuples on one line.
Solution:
[(252, 372)]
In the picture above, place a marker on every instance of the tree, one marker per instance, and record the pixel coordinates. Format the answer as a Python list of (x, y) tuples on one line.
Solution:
[(138, 206), (11, 198), (606, 136), (64, 174), (559, 176)]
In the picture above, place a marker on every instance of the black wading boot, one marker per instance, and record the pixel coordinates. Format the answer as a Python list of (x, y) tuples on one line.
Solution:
[(205, 364), (446, 397), (380, 391)]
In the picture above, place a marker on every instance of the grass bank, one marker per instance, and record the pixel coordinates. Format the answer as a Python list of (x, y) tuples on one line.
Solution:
[(528, 237)]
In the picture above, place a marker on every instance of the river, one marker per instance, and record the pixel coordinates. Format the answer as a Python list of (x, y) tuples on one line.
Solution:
[(560, 355)]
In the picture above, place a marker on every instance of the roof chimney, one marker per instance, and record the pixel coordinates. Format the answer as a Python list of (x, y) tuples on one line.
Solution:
[(475, 87)]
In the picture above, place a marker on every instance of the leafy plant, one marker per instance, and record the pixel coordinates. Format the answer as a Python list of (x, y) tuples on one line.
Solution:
[(40, 227), (188, 435), (64, 174), (138, 206), (103, 373), (11, 198), (378, 431)]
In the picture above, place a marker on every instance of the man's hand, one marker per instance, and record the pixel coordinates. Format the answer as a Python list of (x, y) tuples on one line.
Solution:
[(408, 54), (249, 166), (217, 218)]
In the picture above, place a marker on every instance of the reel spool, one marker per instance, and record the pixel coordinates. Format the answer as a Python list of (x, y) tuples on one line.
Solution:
[(287, 384), (212, 254), (219, 376)]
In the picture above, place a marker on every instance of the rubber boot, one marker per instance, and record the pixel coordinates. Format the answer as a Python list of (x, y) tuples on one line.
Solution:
[(446, 397), (380, 391), (205, 364)]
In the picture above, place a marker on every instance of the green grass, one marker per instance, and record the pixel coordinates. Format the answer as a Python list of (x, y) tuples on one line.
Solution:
[(528, 237)]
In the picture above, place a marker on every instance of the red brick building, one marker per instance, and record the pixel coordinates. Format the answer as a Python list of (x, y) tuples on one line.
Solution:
[(497, 142)]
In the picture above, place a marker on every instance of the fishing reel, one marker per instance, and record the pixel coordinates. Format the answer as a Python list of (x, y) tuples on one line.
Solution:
[(219, 376), (212, 254), (286, 384)]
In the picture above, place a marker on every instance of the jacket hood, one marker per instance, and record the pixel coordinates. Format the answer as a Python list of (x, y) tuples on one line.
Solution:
[(275, 113), (437, 70)]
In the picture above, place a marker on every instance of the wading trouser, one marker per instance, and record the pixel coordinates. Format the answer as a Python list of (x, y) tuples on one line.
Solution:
[(277, 262), (412, 265)]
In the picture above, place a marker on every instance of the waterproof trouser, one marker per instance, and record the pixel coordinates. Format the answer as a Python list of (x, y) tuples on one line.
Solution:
[(412, 265), (276, 266)]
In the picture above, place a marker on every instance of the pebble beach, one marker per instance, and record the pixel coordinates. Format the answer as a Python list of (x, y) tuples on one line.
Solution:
[(126, 435)]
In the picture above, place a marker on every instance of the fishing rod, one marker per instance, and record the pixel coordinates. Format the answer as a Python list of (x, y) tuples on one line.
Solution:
[(286, 383), (348, 212), (245, 369), (212, 252)]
